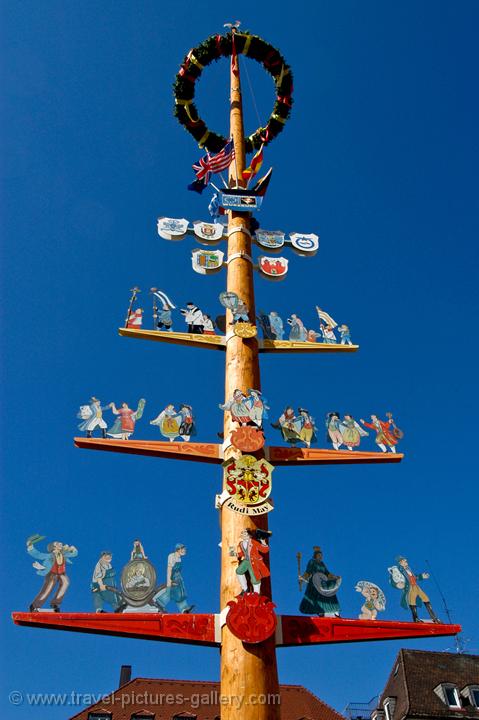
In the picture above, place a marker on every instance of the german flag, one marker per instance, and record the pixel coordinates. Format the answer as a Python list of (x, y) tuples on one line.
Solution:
[(255, 166)]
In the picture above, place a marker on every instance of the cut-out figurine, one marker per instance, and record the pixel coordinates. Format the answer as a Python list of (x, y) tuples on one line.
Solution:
[(375, 600), (173, 423), (328, 334), (51, 565), (298, 332), (277, 327), (251, 546), (242, 327), (307, 427), (137, 552), (103, 584), (387, 435), (351, 432), (125, 423), (240, 312), (187, 425), (345, 333), (402, 577), (134, 294), (162, 319), (136, 319), (92, 416), (193, 318), (333, 427), (175, 589), (265, 324), (246, 409), (320, 595), (312, 336), (289, 425), (208, 325), (258, 408)]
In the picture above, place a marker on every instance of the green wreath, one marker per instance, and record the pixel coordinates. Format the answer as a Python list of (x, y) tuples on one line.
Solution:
[(212, 49)]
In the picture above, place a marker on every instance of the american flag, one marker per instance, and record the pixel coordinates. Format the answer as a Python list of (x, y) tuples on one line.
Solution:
[(214, 163)]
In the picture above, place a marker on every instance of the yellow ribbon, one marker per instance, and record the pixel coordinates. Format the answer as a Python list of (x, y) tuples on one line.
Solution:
[(186, 104), (278, 118), (192, 59), (201, 143), (247, 44)]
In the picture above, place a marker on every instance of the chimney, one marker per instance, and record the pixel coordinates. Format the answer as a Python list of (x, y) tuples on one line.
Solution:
[(125, 675)]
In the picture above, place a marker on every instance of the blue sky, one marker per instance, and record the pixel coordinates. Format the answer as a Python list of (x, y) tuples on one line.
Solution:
[(380, 159)]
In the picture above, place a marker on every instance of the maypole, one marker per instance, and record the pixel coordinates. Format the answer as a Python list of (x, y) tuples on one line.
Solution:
[(245, 670), (245, 627)]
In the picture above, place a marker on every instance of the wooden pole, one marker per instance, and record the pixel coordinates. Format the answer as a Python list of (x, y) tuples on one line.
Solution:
[(248, 672)]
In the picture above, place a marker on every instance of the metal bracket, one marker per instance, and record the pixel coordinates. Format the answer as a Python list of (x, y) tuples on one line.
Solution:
[(241, 254), (240, 228)]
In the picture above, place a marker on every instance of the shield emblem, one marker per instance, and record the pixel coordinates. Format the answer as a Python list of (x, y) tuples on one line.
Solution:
[(229, 300), (138, 582), (208, 232), (269, 239), (324, 586), (206, 262), (171, 228), (275, 268), (304, 244), (248, 480)]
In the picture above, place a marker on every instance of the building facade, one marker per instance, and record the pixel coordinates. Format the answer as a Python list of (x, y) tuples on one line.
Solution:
[(430, 686), (150, 699)]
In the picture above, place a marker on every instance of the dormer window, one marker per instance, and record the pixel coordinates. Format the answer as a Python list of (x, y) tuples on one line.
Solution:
[(449, 694), (389, 705), (471, 693)]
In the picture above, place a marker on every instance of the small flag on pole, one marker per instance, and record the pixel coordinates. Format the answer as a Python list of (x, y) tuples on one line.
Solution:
[(327, 318), (215, 208), (262, 184), (255, 165), (223, 159), (209, 164)]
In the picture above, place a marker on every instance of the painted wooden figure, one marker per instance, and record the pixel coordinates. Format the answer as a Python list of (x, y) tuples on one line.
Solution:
[(374, 600), (387, 435), (92, 416), (193, 318), (247, 408), (320, 595), (103, 584), (402, 578), (125, 423), (174, 590), (174, 423), (351, 432), (277, 327), (296, 428), (252, 546), (298, 332), (52, 566), (333, 430), (345, 333)]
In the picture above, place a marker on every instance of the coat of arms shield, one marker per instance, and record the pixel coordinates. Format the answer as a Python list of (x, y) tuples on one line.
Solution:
[(206, 262), (304, 244), (171, 228), (275, 268), (208, 232), (270, 239), (248, 480)]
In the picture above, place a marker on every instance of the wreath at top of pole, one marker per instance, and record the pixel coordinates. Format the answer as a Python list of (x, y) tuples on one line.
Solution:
[(212, 49)]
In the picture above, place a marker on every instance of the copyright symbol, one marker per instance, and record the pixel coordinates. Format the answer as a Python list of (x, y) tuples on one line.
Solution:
[(16, 697)]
